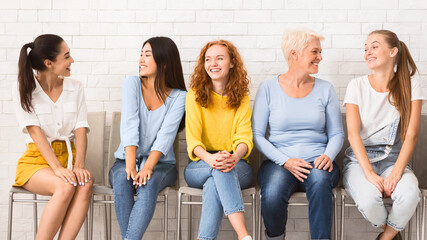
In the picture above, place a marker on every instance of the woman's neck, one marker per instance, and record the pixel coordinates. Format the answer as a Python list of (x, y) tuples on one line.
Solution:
[(296, 78), (219, 86), (380, 79), (49, 81)]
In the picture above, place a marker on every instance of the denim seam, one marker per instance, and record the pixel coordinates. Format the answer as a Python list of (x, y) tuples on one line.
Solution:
[(394, 226), (239, 209), (205, 238)]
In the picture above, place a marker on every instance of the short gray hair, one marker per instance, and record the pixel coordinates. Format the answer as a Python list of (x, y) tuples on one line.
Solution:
[(297, 39)]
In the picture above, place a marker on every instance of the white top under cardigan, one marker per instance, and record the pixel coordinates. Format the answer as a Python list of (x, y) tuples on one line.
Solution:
[(58, 120)]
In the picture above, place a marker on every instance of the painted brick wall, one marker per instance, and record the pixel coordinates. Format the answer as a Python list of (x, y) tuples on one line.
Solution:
[(105, 37)]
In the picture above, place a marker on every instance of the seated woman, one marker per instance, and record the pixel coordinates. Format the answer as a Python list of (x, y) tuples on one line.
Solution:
[(305, 134), (152, 110), (219, 135), (51, 111), (383, 120)]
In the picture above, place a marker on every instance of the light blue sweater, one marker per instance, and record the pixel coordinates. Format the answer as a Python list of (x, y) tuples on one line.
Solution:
[(297, 127), (149, 130)]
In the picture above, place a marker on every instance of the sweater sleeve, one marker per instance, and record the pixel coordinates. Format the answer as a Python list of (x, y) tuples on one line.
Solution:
[(193, 125), (260, 118), (167, 132), (243, 132), (334, 126), (129, 126)]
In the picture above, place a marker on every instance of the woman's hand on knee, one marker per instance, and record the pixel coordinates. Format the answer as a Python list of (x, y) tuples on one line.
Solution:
[(82, 174), (298, 167), (390, 183), (378, 181), (324, 162), (131, 174), (142, 177), (66, 174)]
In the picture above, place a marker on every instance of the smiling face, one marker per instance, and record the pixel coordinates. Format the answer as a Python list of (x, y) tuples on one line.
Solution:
[(310, 57), (377, 52), (218, 63), (62, 64), (147, 65)]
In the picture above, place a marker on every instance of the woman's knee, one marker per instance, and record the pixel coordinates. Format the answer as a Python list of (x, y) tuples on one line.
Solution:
[(64, 191), (369, 205), (85, 191), (411, 196)]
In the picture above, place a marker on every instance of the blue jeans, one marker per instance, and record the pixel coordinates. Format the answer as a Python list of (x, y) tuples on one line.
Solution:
[(134, 216), (369, 199), (277, 186), (221, 193)]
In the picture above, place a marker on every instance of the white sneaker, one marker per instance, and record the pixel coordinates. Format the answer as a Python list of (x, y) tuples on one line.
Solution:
[(247, 238)]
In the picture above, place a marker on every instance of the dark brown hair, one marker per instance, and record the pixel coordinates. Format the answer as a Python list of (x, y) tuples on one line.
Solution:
[(169, 69), (44, 47), (400, 85)]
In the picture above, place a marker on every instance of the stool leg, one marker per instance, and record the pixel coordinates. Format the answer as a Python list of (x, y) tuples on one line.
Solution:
[(253, 215), (189, 219), (259, 220), (342, 216), (10, 218), (35, 215), (178, 229), (166, 216), (423, 217), (335, 217)]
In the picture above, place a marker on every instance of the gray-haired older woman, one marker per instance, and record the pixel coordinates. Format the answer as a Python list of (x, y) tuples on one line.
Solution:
[(304, 135)]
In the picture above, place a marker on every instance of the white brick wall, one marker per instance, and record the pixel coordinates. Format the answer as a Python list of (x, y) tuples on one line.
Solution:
[(105, 37)]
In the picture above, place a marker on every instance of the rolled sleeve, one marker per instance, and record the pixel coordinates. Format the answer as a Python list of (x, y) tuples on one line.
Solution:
[(24, 118), (129, 126), (81, 110)]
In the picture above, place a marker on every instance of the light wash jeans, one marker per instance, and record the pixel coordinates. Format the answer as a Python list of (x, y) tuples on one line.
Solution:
[(369, 199), (278, 185), (221, 193), (134, 216)]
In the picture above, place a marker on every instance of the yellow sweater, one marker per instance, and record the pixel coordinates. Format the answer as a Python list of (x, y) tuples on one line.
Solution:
[(217, 127)]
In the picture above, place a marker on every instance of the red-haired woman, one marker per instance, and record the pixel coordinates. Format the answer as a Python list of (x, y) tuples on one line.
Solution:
[(219, 135)]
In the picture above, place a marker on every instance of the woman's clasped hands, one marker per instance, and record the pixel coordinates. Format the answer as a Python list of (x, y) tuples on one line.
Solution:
[(223, 161)]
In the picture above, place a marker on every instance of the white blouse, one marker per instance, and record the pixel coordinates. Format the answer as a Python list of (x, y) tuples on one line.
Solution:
[(58, 120)]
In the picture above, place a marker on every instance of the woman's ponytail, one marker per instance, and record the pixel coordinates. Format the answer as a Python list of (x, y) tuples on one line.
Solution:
[(26, 81), (400, 85), (44, 47)]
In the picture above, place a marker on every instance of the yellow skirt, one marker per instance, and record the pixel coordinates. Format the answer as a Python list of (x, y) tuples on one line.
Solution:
[(32, 161)]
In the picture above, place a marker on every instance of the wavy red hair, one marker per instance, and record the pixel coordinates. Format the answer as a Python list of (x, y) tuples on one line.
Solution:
[(237, 86)]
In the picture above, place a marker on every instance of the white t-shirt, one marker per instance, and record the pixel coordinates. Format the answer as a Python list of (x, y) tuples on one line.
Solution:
[(375, 110), (58, 120)]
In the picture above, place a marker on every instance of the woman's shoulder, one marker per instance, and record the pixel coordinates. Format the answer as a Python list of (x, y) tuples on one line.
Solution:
[(132, 80), (178, 93), (72, 83), (361, 80)]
